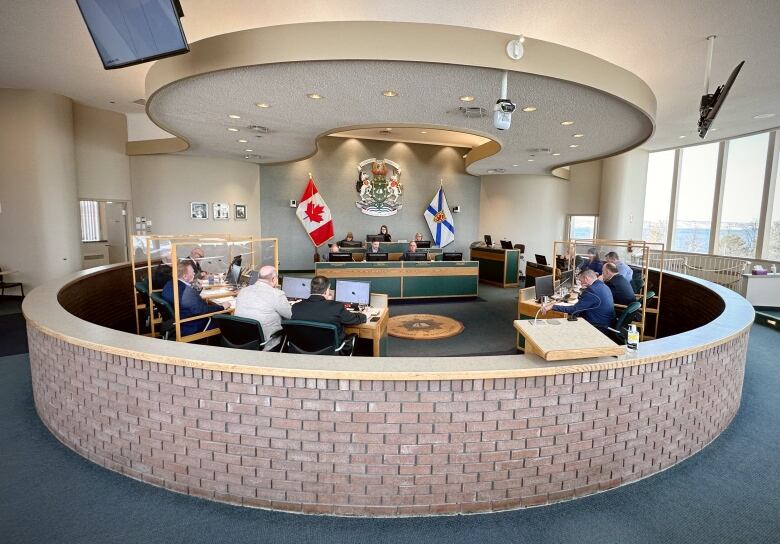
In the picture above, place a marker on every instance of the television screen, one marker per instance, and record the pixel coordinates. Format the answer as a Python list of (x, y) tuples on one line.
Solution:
[(127, 32)]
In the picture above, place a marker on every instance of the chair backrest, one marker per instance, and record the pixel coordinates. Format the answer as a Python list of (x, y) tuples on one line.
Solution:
[(166, 312), (239, 332), (649, 296), (142, 287), (311, 337), (637, 283), (626, 316)]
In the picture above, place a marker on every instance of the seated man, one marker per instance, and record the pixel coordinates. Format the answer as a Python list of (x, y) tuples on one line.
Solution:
[(622, 293), (334, 248), (594, 263), (411, 249), (374, 247), (622, 268), (595, 304), (190, 303), (194, 259), (266, 304), (321, 307)]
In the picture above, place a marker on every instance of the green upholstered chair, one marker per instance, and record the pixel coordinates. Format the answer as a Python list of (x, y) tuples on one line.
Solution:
[(315, 338)]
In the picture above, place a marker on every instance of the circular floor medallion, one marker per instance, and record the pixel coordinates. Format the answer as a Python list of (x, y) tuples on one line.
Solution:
[(423, 327)]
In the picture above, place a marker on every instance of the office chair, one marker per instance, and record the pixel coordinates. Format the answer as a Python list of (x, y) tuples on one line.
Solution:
[(242, 333), (167, 324), (314, 338), (521, 247), (626, 317), (649, 296), (9, 285)]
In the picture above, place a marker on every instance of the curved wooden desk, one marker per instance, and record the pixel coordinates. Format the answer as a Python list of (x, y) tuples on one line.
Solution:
[(390, 436)]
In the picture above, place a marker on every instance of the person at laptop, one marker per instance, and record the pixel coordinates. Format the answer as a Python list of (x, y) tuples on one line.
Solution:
[(190, 303), (411, 249), (321, 307), (622, 292), (266, 304), (374, 247), (594, 262), (595, 303), (348, 238), (384, 233), (623, 269)]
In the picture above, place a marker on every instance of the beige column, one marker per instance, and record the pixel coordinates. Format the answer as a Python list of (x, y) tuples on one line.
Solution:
[(622, 200)]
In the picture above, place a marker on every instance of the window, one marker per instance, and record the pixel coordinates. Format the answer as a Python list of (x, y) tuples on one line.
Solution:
[(658, 196), (90, 221), (743, 189), (582, 227), (773, 242), (696, 193)]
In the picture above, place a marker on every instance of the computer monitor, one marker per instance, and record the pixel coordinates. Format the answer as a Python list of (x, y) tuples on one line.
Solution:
[(544, 287), (488, 240), (234, 274), (567, 279), (339, 257), (376, 256), (352, 244), (415, 256), (506, 244), (296, 288), (452, 257), (540, 259), (375, 237), (423, 244), (252, 277), (353, 292)]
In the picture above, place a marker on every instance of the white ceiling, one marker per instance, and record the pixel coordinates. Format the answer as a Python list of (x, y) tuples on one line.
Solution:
[(415, 135), (46, 46)]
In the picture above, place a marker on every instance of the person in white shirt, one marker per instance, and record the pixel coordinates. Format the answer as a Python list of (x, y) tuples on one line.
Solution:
[(266, 304)]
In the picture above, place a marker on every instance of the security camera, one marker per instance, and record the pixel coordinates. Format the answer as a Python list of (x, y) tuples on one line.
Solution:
[(502, 113)]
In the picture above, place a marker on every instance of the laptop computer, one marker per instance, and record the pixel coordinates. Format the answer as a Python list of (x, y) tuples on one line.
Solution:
[(252, 277), (540, 259), (506, 244)]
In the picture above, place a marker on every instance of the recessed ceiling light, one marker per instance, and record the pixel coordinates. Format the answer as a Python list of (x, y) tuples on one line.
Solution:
[(515, 165), (681, 137), (246, 156), (249, 150), (389, 94), (567, 123), (242, 141), (234, 116), (530, 160), (423, 132), (764, 116), (467, 98), (315, 96), (577, 135), (231, 129), (574, 145), (556, 154), (263, 105), (529, 108)]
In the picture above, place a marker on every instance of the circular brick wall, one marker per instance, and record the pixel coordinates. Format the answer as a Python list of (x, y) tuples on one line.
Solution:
[(378, 447)]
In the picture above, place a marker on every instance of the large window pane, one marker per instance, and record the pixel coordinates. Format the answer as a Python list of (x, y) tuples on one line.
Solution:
[(90, 221), (744, 182), (658, 196), (582, 227), (694, 204), (773, 246)]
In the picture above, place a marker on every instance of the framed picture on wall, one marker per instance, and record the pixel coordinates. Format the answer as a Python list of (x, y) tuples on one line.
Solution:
[(240, 214), (199, 210), (221, 211)]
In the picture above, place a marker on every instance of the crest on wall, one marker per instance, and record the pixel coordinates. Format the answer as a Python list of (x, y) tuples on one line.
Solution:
[(379, 187)]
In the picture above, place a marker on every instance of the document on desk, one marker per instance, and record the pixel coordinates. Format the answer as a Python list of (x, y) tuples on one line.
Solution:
[(221, 300)]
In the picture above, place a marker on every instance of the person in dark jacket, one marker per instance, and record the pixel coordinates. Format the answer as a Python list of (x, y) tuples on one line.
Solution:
[(190, 303), (622, 292), (384, 232), (321, 307), (595, 304), (595, 263)]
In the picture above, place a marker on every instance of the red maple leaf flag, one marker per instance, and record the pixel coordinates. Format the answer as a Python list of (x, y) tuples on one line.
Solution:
[(314, 215)]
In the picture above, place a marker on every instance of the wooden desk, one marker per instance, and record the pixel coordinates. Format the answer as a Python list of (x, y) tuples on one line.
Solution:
[(559, 339), (527, 308), (497, 266), (376, 332)]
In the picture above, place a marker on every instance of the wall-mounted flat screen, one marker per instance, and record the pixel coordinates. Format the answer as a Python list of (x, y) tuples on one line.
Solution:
[(127, 32)]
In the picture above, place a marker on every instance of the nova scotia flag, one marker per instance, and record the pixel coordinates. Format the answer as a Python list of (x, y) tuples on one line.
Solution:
[(439, 219)]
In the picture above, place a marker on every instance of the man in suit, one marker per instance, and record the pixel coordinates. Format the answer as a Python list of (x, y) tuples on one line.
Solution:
[(194, 259), (595, 304), (190, 303), (622, 292), (321, 307), (411, 249), (622, 268), (374, 247)]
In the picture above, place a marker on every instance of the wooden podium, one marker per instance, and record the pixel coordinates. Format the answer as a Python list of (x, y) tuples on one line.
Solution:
[(560, 339)]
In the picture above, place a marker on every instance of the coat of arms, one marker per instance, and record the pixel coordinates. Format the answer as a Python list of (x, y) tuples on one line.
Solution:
[(379, 187)]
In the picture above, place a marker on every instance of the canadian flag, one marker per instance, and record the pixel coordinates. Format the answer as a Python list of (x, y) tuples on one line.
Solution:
[(314, 215)]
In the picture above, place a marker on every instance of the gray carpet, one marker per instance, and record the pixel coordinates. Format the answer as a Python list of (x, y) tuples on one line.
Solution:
[(728, 493)]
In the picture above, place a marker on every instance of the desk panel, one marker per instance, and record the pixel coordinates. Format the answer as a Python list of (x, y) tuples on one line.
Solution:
[(497, 266)]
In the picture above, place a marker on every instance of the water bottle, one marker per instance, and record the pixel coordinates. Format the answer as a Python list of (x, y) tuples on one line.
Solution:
[(773, 269), (632, 340)]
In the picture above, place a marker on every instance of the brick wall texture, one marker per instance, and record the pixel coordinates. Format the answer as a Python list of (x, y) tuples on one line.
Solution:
[(354, 447)]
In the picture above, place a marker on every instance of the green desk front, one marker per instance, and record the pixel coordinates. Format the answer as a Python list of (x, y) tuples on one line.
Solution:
[(497, 266), (413, 279)]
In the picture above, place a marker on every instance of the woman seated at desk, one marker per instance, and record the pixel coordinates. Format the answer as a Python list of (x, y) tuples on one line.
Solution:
[(384, 233)]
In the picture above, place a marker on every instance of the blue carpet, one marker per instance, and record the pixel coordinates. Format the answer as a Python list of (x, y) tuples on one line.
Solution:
[(14, 335), (728, 493)]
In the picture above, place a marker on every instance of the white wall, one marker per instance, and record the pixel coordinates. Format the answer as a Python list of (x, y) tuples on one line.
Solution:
[(525, 209), (584, 188), (102, 166), (164, 185), (622, 201), (40, 234)]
